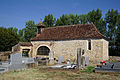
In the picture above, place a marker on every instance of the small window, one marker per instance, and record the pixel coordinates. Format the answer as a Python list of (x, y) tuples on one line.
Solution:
[(89, 44), (83, 52), (25, 52)]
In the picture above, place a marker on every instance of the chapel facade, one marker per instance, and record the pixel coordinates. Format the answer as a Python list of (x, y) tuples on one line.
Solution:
[(65, 40)]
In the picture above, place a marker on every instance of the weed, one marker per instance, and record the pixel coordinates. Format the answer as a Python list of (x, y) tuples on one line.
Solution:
[(15, 71), (63, 73), (116, 75), (89, 69), (53, 72), (103, 73)]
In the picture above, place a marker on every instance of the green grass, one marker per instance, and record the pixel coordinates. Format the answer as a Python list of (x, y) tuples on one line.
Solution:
[(89, 69), (44, 73)]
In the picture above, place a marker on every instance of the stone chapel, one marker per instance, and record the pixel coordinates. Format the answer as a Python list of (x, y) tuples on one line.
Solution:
[(65, 40)]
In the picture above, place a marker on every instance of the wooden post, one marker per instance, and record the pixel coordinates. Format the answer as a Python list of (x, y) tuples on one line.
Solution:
[(79, 57)]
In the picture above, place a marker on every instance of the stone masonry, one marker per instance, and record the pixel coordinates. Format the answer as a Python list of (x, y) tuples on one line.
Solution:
[(68, 48), (65, 40)]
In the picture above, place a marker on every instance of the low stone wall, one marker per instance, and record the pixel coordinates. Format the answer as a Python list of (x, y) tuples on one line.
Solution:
[(5, 55)]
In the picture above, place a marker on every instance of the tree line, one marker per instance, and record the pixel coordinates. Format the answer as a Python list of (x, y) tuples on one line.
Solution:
[(109, 25)]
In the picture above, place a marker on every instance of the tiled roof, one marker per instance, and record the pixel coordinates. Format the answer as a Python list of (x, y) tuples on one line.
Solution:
[(25, 44), (79, 31)]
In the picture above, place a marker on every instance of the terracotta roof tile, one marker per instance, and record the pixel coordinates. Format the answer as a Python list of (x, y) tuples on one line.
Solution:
[(79, 31)]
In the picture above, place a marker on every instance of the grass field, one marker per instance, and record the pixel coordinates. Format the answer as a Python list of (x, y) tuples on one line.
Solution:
[(44, 73)]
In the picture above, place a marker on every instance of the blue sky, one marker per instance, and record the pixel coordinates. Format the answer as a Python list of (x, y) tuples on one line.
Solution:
[(16, 12)]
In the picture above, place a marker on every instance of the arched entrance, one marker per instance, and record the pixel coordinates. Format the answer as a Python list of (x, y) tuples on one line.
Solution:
[(43, 50)]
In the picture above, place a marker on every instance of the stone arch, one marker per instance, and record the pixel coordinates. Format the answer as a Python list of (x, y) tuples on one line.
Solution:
[(42, 46), (43, 50)]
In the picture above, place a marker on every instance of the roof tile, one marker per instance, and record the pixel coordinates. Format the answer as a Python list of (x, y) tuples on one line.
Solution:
[(79, 31)]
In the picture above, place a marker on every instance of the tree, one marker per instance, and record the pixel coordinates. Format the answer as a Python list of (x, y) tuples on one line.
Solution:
[(111, 18), (49, 20), (101, 26), (30, 30), (57, 22), (8, 38), (21, 35), (21, 32), (118, 36), (65, 20), (96, 18), (74, 19), (13, 29), (83, 19)]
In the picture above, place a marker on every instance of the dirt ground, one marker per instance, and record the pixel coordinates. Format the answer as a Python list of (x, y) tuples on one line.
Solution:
[(44, 73)]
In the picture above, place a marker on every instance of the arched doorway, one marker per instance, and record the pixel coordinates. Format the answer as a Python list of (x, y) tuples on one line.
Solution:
[(43, 50)]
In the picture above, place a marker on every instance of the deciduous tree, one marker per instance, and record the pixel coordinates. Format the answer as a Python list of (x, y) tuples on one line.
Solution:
[(30, 30), (8, 38), (111, 18), (49, 21)]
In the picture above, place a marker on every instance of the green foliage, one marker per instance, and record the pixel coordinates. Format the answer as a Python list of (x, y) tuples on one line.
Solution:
[(67, 20), (21, 35), (118, 35), (96, 18), (49, 21), (63, 73), (57, 22), (13, 29), (30, 30), (83, 19), (89, 69), (74, 19), (8, 38), (53, 72), (111, 19)]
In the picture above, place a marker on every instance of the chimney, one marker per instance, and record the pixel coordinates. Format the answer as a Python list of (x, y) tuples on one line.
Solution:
[(40, 27)]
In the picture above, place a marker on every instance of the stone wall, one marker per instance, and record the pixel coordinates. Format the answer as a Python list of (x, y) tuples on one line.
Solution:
[(26, 47), (5, 55), (99, 50), (68, 48), (37, 44), (105, 50), (18, 49)]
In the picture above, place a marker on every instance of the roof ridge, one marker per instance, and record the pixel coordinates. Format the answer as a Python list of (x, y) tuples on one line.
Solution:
[(65, 26)]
